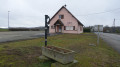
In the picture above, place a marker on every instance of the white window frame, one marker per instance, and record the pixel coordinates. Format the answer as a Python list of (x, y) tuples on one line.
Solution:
[(69, 28)]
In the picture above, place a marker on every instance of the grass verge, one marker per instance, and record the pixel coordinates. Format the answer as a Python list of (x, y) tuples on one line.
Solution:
[(3, 30), (26, 53)]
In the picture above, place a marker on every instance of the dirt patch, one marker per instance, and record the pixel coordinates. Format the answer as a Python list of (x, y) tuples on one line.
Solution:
[(35, 52), (27, 52), (12, 52)]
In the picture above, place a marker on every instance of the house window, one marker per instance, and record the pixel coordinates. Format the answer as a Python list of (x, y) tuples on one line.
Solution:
[(61, 16), (69, 28), (53, 27)]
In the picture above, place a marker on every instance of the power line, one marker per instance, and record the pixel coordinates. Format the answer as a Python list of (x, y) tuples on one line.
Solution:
[(100, 12)]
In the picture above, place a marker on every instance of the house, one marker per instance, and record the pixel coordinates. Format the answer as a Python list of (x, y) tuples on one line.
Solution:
[(64, 22)]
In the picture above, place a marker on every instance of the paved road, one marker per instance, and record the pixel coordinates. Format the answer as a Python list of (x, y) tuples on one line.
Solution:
[(112, 39), (19, 35)]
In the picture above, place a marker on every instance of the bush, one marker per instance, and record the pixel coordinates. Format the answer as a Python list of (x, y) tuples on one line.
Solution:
[(117, 31), (86, 30)]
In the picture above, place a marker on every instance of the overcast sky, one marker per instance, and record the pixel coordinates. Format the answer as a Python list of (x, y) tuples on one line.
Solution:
[(30, 13)]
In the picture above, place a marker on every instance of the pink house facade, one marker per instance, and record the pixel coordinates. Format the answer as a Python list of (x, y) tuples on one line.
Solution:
[(64, 22)]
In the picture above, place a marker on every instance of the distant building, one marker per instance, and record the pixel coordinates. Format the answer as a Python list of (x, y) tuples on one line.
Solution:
[(108, 29), (64, 22), (96, 28)]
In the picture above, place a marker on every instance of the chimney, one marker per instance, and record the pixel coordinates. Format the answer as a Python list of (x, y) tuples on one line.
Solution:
[(65, 5)]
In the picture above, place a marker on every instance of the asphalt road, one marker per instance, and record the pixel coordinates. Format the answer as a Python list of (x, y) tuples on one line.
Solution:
[(19, 35), (112, 39)]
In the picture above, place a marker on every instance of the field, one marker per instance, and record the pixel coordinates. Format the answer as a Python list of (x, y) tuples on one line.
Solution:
[(3, 29), (26, 53)]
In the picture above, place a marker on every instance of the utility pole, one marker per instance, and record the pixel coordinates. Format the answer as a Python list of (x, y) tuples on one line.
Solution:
[(114, 26), (8, 19)]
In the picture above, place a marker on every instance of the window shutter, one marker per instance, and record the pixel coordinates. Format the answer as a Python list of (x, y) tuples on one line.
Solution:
[(73, 27), (64, 28)]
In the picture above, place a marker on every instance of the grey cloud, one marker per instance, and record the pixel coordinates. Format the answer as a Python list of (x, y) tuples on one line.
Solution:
[(30, 13)]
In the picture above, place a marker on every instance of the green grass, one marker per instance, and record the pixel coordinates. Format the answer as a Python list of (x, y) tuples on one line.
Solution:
[(4, 30), (26, 53)]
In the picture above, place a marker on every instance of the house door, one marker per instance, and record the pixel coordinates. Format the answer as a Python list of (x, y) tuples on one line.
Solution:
[(59, 29)]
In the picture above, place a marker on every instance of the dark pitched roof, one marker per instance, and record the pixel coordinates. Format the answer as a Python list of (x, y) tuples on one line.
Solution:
[(68, 12)]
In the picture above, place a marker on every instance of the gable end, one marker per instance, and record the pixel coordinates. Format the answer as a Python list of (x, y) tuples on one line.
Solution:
[(68, 12)]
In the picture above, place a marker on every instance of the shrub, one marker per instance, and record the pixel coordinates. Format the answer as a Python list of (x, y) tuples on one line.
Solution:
[(86, 30)]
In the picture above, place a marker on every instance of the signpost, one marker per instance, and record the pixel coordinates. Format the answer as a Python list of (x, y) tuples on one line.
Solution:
[(46, 28)]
